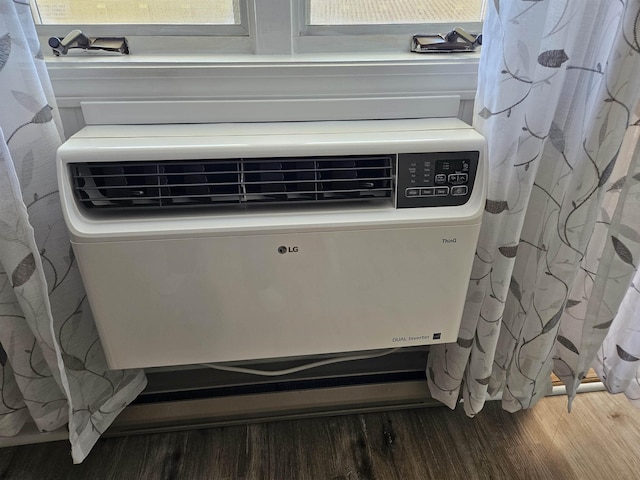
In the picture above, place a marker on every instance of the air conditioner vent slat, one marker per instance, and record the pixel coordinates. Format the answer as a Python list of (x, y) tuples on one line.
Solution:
[(285, 182), (167, 184)]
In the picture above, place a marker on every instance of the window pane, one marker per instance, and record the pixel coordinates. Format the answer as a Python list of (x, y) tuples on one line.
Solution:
[(368, 12), (176, 12)]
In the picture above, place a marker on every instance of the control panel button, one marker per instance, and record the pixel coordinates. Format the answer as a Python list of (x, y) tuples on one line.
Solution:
[(412, 192), (427, 192), (459, 190), (458, 178), (441, 191), (441, 178)]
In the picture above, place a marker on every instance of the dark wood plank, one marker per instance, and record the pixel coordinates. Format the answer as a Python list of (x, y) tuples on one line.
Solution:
[(598, 440), (419, 444), (49, 460), (329, 448)]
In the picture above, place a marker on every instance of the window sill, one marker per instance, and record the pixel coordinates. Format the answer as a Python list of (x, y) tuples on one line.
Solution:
[(98, 59)]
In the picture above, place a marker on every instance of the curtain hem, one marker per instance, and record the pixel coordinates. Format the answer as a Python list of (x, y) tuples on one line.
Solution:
[(83, 442)]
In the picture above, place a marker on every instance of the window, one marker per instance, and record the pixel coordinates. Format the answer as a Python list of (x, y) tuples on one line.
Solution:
[(270, 26), (169, 12), (367, 12), (194, 25), (379, 25)]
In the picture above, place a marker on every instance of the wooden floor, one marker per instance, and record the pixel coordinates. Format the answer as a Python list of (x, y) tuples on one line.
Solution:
[(600, 440)]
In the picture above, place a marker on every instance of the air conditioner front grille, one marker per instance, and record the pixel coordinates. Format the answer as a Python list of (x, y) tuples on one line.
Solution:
[(167, 184)]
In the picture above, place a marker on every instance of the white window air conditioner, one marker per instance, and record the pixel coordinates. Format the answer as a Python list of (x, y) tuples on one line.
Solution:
[(226, 242)]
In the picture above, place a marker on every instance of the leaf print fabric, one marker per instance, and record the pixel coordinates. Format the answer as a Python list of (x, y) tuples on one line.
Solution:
[(618, 358), (559, 244), (52, 368), (552, 58)]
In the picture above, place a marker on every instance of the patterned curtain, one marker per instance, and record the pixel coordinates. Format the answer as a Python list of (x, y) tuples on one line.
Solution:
[(52, 368), (560, 240), (618, 359)]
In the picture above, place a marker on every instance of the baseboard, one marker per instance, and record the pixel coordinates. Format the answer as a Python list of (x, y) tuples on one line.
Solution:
[(277, 405)]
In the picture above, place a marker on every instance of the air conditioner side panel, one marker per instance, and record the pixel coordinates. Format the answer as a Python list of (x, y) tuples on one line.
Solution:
[(177, 300)]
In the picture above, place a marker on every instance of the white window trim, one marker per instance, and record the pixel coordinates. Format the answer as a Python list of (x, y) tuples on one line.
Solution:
[(125, 30), (403, 29), (288, 65)]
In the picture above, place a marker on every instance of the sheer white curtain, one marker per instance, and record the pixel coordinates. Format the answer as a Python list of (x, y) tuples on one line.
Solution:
[(560, 240), (52, 368), (618, 359)]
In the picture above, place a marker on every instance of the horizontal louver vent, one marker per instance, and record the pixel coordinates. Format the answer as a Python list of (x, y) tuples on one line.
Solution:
[(167, 184)]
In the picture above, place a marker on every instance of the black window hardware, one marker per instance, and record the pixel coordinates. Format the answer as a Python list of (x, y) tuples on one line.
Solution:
[(457, 40), (77, 39)]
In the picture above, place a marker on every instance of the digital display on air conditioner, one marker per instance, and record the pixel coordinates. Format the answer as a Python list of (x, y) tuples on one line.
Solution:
[(450, 166)]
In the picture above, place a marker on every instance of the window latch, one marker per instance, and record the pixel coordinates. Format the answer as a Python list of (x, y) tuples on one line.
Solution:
[(77, 39), (457, 40)]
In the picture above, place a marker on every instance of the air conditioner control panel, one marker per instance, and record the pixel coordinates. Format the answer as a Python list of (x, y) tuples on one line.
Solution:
[(435, 179)]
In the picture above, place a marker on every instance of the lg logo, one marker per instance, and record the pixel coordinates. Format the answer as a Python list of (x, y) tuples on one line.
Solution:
[(282, 250)]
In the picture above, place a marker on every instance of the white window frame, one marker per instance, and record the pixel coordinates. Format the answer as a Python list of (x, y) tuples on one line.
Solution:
[(271, 59)]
